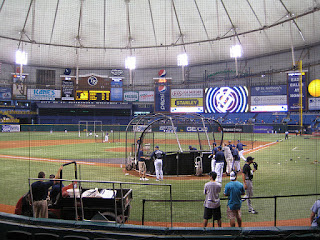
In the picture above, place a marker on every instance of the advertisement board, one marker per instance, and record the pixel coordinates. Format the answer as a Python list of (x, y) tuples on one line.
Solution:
[(262, 129), (294, 91), (19, 88), (5, 93), (186, 100), (226, 99), (67, 90), (162, 96), (146, 96), (43, 94), (131, 96), (268, 90), (314, 103), (116, 94), (10, 128)]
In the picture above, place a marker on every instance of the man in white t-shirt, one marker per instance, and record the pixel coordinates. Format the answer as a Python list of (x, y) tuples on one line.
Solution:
[(212, 201)]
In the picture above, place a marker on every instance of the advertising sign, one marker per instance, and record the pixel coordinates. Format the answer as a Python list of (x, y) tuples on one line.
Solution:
[(19, 88), (146, 96), (262, 129), (226, 99), (67, 90), (131, 96), (43, 94), (5, 93), (162, 96), (186, 100), (294, 91), (269, 100), (116, 94), (269, 90), (314, 103)]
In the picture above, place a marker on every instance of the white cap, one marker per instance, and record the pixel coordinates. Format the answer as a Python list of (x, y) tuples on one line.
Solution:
[(233, 176)]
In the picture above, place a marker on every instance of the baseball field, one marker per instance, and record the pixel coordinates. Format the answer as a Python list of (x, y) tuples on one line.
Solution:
[(285, 168)]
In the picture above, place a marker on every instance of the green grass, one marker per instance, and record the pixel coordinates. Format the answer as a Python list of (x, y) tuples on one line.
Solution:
[(285, 168)]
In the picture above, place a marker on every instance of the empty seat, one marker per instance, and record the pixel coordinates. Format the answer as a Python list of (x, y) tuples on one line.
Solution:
[(18, 235), (46, 236), (73, 237)]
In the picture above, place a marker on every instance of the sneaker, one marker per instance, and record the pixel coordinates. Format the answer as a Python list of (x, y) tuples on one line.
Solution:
[(146, 179), (141, 179), (253, 211), (157, 180)]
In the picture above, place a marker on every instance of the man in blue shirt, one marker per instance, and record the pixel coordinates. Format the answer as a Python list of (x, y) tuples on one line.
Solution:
[(39, 196), (234, 189)]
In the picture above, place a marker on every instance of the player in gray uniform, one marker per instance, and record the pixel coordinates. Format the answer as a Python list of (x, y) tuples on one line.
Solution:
[(158, 155), (247, 175), (229, 158)]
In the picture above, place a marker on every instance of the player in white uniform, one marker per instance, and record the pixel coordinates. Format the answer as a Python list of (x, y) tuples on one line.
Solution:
[(158, 155), (218, 164), (106, 137)]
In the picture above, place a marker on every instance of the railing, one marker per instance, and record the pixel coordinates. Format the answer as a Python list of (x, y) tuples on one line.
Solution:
[(276, 197)]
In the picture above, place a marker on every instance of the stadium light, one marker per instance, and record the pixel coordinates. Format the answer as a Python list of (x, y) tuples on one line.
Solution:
[(235, 51), (182, 59), (130, 63), (21, 57)]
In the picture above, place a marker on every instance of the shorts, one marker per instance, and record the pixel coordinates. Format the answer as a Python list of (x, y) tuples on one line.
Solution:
[(142, 166), (212, 212), (232, 214)]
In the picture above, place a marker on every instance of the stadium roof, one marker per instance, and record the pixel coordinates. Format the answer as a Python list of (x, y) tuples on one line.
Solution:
[(100, 34)]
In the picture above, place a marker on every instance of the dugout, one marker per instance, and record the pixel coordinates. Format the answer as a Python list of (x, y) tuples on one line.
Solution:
[(174, 134)]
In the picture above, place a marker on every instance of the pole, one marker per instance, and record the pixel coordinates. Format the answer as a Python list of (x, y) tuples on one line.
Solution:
[(300, 96)]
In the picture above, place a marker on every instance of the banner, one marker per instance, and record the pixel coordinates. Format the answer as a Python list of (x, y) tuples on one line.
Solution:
[(43, 94), (10, 128), (314, 103), (67, 90), (116, 94), (162, 96), (19, 88), (94, 82), (262, 129), (131, 96), (294, 91), (186, 100), (5, 93), (146, 96), (269, 90)]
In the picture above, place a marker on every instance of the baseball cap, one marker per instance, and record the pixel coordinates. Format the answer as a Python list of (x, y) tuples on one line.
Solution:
[(190, 146), (233, 176), (249, 158), (156, 146)]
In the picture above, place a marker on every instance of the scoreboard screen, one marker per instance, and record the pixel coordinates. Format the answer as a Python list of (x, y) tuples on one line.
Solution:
[(92, 95)]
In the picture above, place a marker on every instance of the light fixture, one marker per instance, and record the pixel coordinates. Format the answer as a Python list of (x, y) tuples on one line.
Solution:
[(235, 51), (130, 63), (182, 59), (21, 58)]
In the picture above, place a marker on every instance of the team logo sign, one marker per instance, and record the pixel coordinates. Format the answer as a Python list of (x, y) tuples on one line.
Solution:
[(92, 81), (162, 73), (226, 99), (162, 88)]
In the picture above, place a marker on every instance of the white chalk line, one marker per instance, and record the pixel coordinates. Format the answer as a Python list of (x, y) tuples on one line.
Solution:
[(261, 147), (43, 159)]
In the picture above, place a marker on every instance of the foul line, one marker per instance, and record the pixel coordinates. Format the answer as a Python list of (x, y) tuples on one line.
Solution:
[(43, 159), (261, 147)]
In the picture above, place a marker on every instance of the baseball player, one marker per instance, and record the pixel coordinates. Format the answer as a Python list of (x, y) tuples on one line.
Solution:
[(247, 175), (106, 137), (217, 163), (158, 155), (240, 149), (229, 158), (236, 159)]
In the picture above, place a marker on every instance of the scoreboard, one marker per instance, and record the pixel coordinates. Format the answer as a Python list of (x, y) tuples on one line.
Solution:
[(92, 95)]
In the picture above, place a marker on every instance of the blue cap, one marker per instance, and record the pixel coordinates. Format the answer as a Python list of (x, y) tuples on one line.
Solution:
[(156, 146)]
